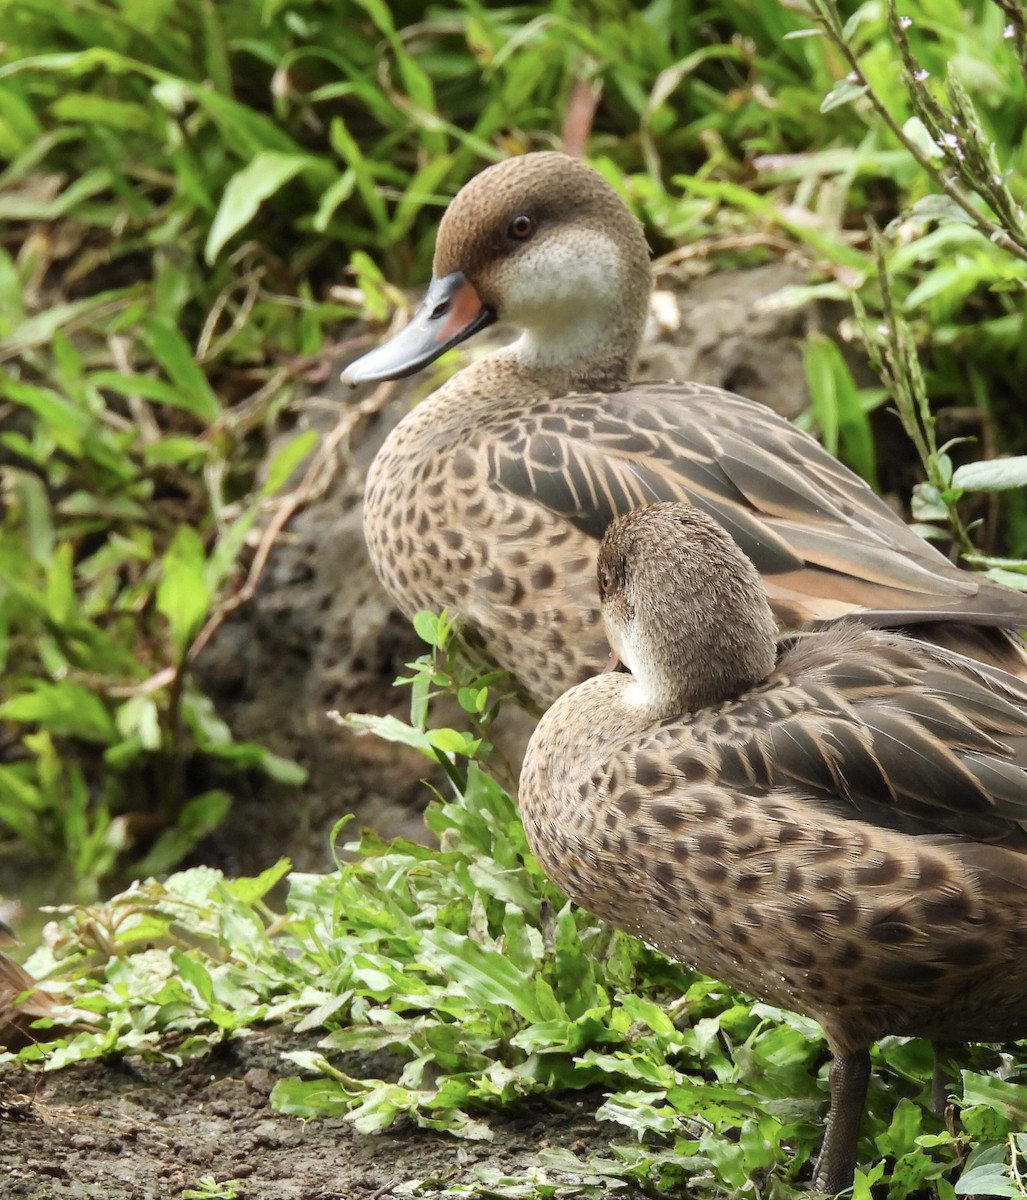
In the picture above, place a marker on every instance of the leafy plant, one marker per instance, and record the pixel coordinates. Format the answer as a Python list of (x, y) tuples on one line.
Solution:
[(104, 592), (186, 185), (209, 1188), (473, 983)]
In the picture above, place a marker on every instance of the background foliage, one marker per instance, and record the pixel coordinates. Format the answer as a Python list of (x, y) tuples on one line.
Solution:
[(196, 197), (192, 188)]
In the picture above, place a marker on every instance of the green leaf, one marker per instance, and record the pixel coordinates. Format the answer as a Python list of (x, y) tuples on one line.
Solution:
[(995, 475), (139, 717), (986, 1179), (287, 460), (199, 816), (88, 107), (844, 93), (192, 398), (182, 595), (837, 408), (938, 207), (61, 600), (1010, 1099), (920, 136), (175, 355), (244, 193), (426, 626), (489, 977), (194, 974), (66, 709)]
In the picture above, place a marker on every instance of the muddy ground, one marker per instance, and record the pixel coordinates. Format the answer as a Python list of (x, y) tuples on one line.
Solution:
[(135, 1131), (321, 635)]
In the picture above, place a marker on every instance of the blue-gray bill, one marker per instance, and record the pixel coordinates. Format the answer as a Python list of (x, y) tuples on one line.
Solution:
[(450, 312)]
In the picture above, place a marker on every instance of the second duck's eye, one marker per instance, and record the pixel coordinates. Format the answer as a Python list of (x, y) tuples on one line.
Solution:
[(605, 580), (521, 228)]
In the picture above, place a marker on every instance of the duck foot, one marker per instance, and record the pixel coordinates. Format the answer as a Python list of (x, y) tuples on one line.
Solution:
[(850, 1075)]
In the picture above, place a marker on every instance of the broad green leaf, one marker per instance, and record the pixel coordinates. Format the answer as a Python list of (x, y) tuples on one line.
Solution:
[(182, 595), (244, 193), (1008, 1098), (995, 475), (838, 409), (65, 709), (987, 1179), (102, 110), (938, 207), (194, 974), (426, 626)]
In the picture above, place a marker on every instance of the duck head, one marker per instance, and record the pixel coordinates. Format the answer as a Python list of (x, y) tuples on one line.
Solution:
[(544, 243), (684, 610)]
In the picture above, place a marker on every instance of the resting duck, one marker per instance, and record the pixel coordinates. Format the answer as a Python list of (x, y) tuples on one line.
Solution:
[(491, 496), (837, 825)]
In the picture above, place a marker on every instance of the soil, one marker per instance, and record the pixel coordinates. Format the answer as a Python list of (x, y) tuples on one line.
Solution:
[(130, 1130), (319, 635)]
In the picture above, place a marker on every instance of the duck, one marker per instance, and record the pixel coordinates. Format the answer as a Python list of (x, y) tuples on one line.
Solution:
[(23, 1001), (489, 498), (834, 821)]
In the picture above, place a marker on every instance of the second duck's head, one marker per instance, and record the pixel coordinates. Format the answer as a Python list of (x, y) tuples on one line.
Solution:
[(542, 242), (684, 610)]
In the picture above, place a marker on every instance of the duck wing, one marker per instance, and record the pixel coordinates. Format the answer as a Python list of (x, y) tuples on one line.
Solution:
[(897, 733), (825, 545)]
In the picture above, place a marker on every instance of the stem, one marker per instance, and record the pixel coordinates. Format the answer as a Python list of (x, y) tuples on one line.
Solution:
[(894, 356), (826, 12)]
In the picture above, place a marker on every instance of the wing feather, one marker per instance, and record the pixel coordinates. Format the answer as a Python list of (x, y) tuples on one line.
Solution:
[(905, 736), (824, 543)]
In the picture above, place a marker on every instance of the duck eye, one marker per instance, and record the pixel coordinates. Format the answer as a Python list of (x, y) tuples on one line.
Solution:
[(521, 228), (605, 580)]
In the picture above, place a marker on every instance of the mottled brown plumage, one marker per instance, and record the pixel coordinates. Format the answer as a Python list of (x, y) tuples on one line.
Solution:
[(22, 1002), (491, 496), (837, 824)]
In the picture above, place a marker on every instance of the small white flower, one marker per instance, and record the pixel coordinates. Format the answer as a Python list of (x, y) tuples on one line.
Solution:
[(1008, 32), (921, 75), (949, 140), (882, 330), (852, 77), (905, 22)]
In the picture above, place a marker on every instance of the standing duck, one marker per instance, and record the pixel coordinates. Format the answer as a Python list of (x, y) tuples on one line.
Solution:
[(491, 496), (837, 825)]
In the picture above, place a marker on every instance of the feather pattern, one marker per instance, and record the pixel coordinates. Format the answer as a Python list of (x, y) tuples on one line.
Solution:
[(842, 831), (491, 496)]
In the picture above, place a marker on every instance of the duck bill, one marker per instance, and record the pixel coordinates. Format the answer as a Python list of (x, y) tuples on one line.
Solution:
[(450, 312)]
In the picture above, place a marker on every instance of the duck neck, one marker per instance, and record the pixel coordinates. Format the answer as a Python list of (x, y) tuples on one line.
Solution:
[(581, 329), (703, 659), (582, 355)]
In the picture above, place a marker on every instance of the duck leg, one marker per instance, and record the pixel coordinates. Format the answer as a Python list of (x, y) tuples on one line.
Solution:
[(850, 1074)]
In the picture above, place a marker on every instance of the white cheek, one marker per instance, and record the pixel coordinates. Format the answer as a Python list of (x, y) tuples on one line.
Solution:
[(632, 653), (564, 296), (615, 636), (561, 278)]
